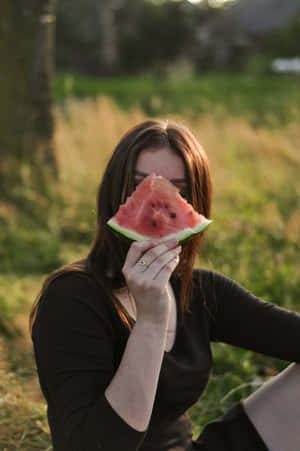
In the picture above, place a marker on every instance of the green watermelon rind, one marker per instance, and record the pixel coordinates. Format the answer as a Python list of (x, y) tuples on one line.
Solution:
[(182, 236)]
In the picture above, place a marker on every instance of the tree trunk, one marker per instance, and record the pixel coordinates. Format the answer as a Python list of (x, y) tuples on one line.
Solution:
[(108, 39), (26, 121)]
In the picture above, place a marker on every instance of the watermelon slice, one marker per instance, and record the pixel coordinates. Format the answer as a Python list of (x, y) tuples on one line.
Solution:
[(157, 210)]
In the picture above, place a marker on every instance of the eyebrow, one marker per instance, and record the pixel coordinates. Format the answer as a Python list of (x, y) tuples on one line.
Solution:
[(144, 174)]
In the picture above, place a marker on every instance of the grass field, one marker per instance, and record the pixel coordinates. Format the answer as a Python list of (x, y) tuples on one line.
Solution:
[(264, 100), (254, 238)]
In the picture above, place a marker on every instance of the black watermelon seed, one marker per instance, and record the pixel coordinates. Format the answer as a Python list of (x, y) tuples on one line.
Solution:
[(152, 205), (173, 215), (154, 223), (166, 206)]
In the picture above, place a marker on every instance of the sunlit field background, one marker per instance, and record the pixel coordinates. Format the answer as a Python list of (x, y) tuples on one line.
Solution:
[(249, 128)]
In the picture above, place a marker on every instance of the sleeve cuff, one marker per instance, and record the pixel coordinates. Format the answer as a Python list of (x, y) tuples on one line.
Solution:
[(112, 432)]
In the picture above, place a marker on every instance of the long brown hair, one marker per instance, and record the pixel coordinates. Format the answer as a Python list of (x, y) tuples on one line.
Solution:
[(108, 253)]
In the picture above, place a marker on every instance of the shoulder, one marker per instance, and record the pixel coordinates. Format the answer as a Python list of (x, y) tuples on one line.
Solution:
[(204, 278), (221, 291), (74, 293), (209, 278), (73, 306), (212, 286), (72, 282), (201, 274)]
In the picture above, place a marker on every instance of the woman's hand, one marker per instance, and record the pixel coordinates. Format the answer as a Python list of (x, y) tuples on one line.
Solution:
[(147, 270)]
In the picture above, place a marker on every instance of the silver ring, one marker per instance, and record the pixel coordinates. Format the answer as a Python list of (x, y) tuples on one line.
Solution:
[(143, 263)]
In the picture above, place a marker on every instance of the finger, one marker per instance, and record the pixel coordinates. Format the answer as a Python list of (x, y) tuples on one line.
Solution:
[(150, 249), (156, 251), (156, 266), (164, 275), (136, 250)]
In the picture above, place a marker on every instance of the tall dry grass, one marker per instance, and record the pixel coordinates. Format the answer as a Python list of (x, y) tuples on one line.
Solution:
[(85, 134), (246, 162)]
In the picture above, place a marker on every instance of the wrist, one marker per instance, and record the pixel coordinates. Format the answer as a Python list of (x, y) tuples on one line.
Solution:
[(152, 324), (148, 316)]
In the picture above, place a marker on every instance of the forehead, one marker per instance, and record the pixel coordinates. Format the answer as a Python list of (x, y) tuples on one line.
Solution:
[(163, 161)]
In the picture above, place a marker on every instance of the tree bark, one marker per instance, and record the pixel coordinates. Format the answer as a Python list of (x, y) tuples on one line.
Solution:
[(26, 120), (108, 39)]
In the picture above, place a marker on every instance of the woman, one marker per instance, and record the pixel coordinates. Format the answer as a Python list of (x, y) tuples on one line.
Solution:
[(122, 338)]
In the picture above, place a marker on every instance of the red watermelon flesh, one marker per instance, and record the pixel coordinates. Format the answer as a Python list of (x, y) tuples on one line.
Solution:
[(157, 210)]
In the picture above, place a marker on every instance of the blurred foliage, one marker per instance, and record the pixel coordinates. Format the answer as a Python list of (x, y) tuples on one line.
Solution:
[(146, 37), (156, 36), (25, 251), (283, 42), (220, 95)]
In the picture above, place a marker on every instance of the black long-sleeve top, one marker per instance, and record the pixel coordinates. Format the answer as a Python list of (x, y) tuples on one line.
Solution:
[(79, 341)]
